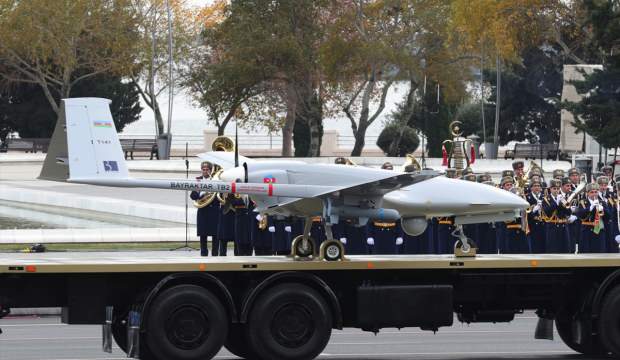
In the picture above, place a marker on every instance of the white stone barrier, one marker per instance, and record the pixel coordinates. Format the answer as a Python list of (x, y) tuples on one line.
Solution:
[(102, 235)]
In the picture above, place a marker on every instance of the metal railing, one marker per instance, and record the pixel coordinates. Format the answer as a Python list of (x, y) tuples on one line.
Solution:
[(257, 141), (348, 141)]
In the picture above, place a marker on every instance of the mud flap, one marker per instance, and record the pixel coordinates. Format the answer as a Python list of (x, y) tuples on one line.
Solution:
[(133, 335), (107, 330)]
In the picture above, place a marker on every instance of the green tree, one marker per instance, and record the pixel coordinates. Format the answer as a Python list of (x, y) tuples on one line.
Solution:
[(151, 68), (49, 43), (25, 109), (373, 44), (268, 51), (534, 88), (598, 113), (398, 140)]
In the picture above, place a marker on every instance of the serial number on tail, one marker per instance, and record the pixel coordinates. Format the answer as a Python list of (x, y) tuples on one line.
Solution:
[(198, 186)]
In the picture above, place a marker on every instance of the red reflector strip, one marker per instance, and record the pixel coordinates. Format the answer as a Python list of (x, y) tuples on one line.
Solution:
[(270, 191), (233, 188), (31, 268)]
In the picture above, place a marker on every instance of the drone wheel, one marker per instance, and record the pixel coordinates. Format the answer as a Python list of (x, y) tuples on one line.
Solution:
[(332, 250), (301, 248)]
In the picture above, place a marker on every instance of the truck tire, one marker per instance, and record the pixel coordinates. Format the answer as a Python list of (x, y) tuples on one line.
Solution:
[(289, 322), (237, 342), (186, 322), (609, 322), (563, 323)]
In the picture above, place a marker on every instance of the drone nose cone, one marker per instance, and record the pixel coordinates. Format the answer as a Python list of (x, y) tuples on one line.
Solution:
[(442, 196)]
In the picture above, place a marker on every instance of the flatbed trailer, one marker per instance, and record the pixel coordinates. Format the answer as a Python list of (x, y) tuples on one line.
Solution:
[(177, 305)]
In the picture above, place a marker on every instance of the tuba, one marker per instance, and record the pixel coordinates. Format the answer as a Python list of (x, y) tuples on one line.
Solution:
[(223, 143), (220, 143), (209, 197)]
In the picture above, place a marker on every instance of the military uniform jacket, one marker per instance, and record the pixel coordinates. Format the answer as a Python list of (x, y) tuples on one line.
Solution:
[(384, 234), (207, 217), (533, 217), (242, 212), (554, 212), (588, 216)]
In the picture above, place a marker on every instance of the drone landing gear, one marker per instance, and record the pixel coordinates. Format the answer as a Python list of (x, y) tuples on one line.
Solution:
[(304, 247), (464, 247)]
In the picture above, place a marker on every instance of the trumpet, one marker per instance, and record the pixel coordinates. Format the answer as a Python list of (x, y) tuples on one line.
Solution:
[(411, 162)]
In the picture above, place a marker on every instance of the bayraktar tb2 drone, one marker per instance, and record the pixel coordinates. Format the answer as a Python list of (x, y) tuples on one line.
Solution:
[(86, 140)]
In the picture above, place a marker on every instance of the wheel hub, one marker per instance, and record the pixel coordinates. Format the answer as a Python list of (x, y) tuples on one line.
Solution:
[(187, 327), (292, 326)]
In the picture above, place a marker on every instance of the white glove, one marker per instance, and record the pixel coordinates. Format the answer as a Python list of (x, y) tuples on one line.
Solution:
[(370, 241), (571, 219), (259, 217), (599, 207), (536, 208), (594, 204), (343, 240), (573, 208), (560, 197), (272, 229), (399, 241), (201, 194), (610, 188), (287, 228)]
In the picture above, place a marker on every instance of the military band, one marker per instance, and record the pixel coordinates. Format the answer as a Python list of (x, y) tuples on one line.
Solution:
[(561, 218)]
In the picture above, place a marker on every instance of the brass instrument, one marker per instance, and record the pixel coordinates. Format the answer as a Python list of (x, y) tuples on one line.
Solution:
[(223, 143), (209, 197), (350, 162), (262, 223), (410, 160), (575, 193), (220, 143)]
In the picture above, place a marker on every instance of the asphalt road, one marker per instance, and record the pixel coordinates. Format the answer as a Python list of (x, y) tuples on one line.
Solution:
[(33, 338)]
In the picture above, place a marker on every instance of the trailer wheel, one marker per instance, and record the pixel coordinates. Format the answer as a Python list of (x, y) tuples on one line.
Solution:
[(609, 322), (564, 325), (289, 322), (237, 342), (186, 322)]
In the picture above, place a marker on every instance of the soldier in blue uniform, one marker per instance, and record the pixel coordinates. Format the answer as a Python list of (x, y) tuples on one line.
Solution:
[(444, 227), (317, 231), (512, 238), (206, 217), (281, 230), (261, 237), (592, 213), (556, 213), (575, 177), (242, 238), (384, 237), (607, 197), (534, 218), (351, 236), (226, 224)]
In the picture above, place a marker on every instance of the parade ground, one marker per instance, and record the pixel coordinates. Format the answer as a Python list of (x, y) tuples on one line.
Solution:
[(36, 338)]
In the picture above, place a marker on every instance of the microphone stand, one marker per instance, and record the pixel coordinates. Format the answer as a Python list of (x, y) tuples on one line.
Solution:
[(186, 246)]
